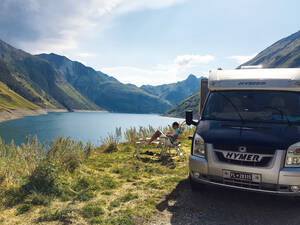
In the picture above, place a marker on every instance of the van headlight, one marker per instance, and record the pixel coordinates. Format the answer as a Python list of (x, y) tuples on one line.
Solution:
[(199, 147), (293, 156)]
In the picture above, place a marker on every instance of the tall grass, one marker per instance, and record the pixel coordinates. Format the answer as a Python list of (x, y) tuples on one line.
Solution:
[(34, 168)]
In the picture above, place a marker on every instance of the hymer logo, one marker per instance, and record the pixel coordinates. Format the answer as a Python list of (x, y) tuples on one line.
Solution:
[(255, 83), (247, 157)]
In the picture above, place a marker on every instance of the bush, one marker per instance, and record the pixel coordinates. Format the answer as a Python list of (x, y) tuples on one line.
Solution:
[(91, 210), (43, 178), (23, 209), (38, 167), (63, 215), (111, 141), (128, 197), (114, 204), (108, 182), (14, 196), (39, 199), (83, 183), (68, 154), (123, 220), (111, 148), (131, 135), (85, 196)]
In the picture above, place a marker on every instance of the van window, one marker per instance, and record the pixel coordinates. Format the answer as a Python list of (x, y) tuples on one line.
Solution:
[(253, 105)]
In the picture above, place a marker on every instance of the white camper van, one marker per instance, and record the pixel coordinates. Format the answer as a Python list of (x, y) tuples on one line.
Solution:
[(248, 133)]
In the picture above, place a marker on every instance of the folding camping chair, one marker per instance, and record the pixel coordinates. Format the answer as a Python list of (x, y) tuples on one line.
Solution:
[(164, 143), (167, 145)]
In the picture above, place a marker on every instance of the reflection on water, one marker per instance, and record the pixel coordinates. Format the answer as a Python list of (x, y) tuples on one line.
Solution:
[(84, 126)]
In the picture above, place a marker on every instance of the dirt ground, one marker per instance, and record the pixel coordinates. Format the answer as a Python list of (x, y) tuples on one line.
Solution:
[(217, 206)]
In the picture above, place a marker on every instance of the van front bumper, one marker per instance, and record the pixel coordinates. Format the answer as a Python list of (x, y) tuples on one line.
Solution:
[(201, 172)]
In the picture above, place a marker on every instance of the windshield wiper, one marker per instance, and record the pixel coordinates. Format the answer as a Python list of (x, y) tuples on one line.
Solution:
[(233, 105), (282, 114)]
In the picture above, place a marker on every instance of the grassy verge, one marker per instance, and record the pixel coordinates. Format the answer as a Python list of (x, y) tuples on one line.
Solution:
[(73, 183)]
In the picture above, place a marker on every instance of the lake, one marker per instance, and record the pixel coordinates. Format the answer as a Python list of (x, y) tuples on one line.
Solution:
[(83, 126)]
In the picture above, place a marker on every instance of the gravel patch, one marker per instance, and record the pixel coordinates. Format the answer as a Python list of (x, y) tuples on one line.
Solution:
[(218, 206)]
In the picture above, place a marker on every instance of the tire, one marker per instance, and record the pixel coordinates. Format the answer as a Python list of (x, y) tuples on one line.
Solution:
[(195, 186)]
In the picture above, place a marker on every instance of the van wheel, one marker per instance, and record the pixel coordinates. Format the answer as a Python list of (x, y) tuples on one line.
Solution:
[(195, 186)]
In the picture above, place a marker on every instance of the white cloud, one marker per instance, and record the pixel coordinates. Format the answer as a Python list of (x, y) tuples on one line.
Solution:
[(162, 73), (240, 59), (86, 54), (192, 60), (56, 26)]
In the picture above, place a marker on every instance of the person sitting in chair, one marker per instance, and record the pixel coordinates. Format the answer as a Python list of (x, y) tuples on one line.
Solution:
[(171, 135)]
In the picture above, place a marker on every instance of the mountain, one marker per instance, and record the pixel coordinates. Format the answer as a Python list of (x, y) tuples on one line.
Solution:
[(37, 81), (191, 102), (105, 91), (11, 100), (175, 92), (284, 53)]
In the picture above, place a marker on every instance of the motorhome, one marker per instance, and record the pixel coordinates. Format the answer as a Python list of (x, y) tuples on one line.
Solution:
[(248, 132)]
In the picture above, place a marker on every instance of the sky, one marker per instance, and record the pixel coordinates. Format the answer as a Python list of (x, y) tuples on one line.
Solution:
[(149, 41)]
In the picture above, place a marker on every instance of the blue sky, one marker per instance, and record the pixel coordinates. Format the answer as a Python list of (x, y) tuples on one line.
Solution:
[(149, 41)]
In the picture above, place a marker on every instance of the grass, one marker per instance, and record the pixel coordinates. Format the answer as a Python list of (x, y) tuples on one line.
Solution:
[(11, 100), (71, 181)]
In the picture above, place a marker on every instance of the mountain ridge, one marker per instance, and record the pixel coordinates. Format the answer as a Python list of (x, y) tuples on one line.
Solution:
[(175, 92), (284, 53), (105, 91), (37, 81)]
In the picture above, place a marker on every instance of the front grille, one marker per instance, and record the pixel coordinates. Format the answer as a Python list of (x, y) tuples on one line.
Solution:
[(246, 184), (263, 163), (250, 149)]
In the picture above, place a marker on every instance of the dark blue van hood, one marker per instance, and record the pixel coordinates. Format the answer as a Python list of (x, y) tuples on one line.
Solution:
[(258, 135)]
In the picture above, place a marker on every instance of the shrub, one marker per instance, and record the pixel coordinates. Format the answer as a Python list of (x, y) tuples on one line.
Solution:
[(108, 182), (83, 182), (68, 154), (106, 193), (91, 210), (124, 220), (39, 199), (14, 196), (23, 209), (42, 179), (111, 148), (128, 197), (131, 135), (63, 215), (97, 220), (114, 204), (111, 141), (85, 196)]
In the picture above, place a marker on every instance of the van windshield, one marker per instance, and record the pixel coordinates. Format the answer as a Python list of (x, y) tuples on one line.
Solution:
[(253, 105)]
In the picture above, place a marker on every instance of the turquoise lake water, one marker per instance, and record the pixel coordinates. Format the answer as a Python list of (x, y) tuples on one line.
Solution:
[(83, 126)]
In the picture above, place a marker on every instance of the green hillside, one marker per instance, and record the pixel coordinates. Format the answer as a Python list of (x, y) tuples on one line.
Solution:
[(11, 100), (285, 53), (175, 92), (38, 81), (191, 102), (105, 91)]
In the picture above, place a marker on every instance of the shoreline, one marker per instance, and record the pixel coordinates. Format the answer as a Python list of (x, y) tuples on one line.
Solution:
[(13, 114)]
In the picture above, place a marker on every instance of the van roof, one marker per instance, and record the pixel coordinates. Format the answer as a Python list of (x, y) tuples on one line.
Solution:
[(257, 79)]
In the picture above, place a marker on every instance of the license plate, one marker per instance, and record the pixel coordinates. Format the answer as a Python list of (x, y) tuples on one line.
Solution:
[(242, 176)]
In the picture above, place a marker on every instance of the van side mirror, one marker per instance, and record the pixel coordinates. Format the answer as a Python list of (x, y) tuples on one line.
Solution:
[(189, 118)]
